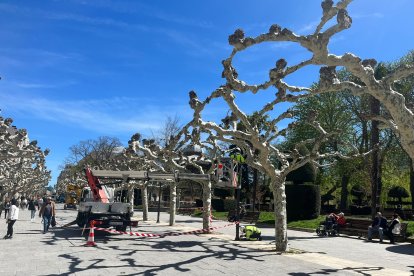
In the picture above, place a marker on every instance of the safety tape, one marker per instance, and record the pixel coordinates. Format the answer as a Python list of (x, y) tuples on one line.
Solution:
[(199, 231)]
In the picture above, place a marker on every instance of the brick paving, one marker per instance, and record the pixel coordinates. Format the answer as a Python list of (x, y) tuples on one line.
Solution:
[(62, 252)]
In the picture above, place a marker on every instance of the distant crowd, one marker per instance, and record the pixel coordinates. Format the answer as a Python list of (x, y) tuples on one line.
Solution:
[(43, 205)]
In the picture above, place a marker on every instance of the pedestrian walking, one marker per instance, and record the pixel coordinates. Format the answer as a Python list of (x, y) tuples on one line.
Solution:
[(32, 208), (11, 219), (47, 212), (39, 202), (23, 203), (6, 207)]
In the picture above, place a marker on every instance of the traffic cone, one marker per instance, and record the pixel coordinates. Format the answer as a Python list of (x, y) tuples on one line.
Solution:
[(91, 237)]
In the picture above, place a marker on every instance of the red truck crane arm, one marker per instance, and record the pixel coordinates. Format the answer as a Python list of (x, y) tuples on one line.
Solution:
[(96, 187)]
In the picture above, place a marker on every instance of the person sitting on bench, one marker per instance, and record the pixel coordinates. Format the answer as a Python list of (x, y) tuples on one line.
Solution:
[(394, 228), (340, 220), (378, 225)]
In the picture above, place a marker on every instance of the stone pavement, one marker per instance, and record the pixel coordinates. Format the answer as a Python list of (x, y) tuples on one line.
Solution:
[(62, 252)]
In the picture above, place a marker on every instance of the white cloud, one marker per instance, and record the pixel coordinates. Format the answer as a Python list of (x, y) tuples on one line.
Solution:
[(368, 15), (308, 28), (106, 116)]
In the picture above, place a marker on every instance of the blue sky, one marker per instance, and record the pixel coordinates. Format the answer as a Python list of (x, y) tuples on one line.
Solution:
[(75, 69)]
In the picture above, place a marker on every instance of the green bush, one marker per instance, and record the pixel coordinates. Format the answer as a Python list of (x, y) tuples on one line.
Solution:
[(303, 201), (217, 204), (306, 173), (398, 192), (221, 205), (223, 193), (229, 204), (360, 210)]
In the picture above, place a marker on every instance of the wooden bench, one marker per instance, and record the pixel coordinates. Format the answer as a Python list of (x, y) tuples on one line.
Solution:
[(246, 218), (359, 227)]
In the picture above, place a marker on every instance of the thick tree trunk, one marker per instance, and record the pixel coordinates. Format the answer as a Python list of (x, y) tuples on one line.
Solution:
[(412, 182), (131, 196), (206, 205), (255, 180), (344, 192), (144, 197), (173, 202), (279, 196)]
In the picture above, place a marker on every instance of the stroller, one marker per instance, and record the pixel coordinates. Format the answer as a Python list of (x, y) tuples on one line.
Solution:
[(329, 227)]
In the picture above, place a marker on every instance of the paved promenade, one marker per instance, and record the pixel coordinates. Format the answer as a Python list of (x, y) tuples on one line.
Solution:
[(62, 252)]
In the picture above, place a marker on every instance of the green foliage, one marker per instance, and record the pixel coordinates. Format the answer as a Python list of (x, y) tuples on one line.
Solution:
[(307, 224), (395, 172), (229, 204), (398, 192), (217, 204), (303, 201), (330, 110), (223, 193), (304, 174), (359, 193), (222, 205)]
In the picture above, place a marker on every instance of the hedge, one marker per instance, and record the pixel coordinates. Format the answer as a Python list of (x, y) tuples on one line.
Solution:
[(222, 205), (306, 173), (303, 201)]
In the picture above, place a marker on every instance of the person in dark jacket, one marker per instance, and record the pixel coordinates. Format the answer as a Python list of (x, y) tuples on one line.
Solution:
[(32, 208), (378, 225), (7, 206), (47, 212)]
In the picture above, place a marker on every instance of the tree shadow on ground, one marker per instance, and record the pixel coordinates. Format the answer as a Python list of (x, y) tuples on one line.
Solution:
[(407, 249), (365, 270), (128, 256), (59, 234)]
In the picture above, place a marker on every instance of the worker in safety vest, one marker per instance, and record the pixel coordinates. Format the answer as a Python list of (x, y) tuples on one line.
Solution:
[(236, 154), (252, 233)]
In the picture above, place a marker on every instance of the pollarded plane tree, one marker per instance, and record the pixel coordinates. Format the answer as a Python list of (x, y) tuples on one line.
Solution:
[(182, 153), (22, 163), (63, 180), (401, 115), (261, 151), (259, 145), (153, 156), (126, 160)]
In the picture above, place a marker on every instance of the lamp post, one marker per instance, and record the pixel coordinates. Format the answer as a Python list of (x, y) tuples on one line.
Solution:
[(238, 158), (159, 202)]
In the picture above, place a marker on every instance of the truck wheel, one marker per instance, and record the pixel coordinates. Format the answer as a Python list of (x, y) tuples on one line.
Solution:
[(81, 220)]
